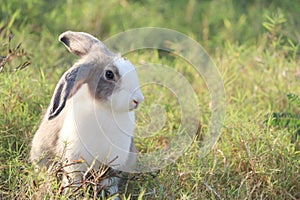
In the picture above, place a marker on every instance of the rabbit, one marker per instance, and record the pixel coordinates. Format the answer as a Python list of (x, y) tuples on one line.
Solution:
[(91, 113)]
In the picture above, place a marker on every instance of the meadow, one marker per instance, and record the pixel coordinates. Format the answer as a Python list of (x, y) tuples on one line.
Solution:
[(255, 46)]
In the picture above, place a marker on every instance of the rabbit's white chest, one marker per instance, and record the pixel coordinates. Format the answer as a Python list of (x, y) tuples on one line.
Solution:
[(94, 133)]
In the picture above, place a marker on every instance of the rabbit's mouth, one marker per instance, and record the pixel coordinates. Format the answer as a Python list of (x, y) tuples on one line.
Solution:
[(136, 104), (133, 108)]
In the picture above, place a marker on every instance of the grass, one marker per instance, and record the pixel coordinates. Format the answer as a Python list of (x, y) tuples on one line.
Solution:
[(255, 46)]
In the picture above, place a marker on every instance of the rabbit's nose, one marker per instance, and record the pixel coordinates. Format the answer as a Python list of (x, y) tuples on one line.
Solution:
[(137, 101), (140, 99)]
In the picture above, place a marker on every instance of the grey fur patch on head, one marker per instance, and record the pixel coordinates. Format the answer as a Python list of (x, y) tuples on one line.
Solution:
[(101, 88)]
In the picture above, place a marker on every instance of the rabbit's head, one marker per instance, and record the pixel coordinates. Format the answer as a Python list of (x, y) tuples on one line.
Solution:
[(111, 79)]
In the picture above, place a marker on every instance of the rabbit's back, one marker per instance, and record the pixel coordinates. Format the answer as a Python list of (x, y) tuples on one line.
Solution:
[(45, 144)]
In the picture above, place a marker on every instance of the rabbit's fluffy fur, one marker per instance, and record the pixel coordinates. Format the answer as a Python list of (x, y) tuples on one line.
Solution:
[(91, 115)]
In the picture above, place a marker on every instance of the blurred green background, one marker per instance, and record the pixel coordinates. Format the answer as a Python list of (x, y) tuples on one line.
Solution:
[(212, 23)]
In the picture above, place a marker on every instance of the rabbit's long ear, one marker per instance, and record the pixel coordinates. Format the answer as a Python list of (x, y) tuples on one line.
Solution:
[(81, 43), (67, 86)]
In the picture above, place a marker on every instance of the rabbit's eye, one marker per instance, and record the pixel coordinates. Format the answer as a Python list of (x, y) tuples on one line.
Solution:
[(109, 75)]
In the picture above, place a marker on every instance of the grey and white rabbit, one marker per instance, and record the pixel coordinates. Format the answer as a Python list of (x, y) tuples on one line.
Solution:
[(91, 113)]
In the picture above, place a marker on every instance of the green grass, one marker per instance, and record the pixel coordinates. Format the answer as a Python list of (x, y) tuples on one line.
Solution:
[(255, 46)]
